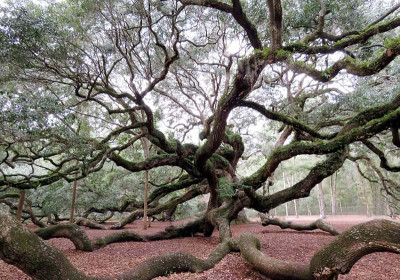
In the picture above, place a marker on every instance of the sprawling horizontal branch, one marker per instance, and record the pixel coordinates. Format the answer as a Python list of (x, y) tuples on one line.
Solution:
[(318, 224), (300, 189), (339, 256), (355, 37), (336, 258), (276, 116), (172, 203), (349, 64), (71, 231), (362, 126), (40, 260), (152, 162), (161, 191)]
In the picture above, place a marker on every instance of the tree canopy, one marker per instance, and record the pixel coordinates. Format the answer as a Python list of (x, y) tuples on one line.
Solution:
[(211, 85)]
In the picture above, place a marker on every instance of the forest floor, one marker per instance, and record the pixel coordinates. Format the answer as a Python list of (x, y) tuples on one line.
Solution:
[(282, 244)]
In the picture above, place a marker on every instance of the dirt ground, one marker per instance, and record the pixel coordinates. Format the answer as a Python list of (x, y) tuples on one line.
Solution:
[(283, 244)]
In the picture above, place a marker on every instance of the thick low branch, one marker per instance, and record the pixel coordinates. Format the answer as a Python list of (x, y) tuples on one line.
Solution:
[(318, 224), (40, 260), (271, 267), (336, 258), (190, 194), (362, 126), (88, 223), (71, 231), (185, 230), (300, 189), (339, 256)]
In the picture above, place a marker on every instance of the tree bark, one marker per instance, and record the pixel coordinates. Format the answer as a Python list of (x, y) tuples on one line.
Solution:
[(88, 223), (318, 224), (273, 268), (336, 258), (340, 255), (42, 261), (25, 250), (71, 231)]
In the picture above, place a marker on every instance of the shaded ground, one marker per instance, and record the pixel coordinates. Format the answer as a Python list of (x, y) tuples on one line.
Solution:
[(283, 244)]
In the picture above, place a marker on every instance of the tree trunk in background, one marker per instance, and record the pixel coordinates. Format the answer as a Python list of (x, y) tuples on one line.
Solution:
[(321, 202), (294, 201), (146, 191), (333, 193), (366, 202), (71, 216), (295, 208), (284, 186), (146, 184), (20, 205), (308, 209), (374, 199)]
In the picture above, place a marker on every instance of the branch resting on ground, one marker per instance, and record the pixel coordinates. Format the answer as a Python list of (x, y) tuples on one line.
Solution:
[(336, 258), (318, 224), (25, 250)]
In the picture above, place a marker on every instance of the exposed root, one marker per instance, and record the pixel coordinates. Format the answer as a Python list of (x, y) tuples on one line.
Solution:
[(318, 224)]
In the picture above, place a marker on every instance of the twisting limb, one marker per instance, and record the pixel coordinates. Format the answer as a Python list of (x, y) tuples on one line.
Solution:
[(173, 202), (318, 224), (339, 256), (273, 115), (71, 231), (88, 223), (273, 268), (236, 11), (40, 260), (384, 162), (336, 258), (185, 230)]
